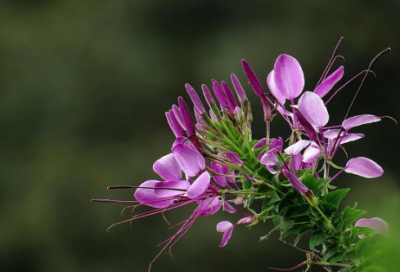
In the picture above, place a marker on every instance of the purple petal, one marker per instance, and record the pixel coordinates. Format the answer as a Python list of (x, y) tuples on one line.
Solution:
[(220, 180), (219, 94), (232, 104), (351, 137), (379, 225), (297, 161), (147, 197), (329, 82), (288, 76), (189, 159), (363, 167), (253, 80), (212, 115), (162, 189), (309, 129), (195, 98), (296, 183), (168, 168), (311, 154), (224, 226), (261, 143), (234, 158), (332, 134), (238, 88), (208, 206), (313, 109), (297, 147), (174, 124), (177, 113), (360, 120), (227, 228), (186, 118), (229, 208), (199, 186), (269, 159), (245, 220), (207, 95), (274, 90)]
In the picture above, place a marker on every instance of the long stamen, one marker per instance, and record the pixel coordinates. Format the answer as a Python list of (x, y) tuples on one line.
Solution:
[(332, 59), (359, 88)]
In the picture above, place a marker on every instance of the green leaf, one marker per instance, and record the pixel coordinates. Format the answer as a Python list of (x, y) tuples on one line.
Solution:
[(348, 217), (335, 197), (328, 208), (363, 244), (375, 268), (247, 184), (274, 197), (337, 257), (317, 238), (330, 251), (315, 185)]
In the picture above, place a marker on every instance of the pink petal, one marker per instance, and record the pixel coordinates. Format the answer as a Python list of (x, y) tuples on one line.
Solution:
[(329, 82), (332, 134), (199, 186), (288, 76), (180, 187), (313, 109), (274, 90), (311, 154), (147, 197), (224, 226), (227, 228), (360, 120), (189, 159), (297, 147), (363, 167), (208, 206), (269, 159), (219, 179), (253, 80), (228, 207), (296, 183), (379, 225), (168, 168), (234, 158), (352, 137)]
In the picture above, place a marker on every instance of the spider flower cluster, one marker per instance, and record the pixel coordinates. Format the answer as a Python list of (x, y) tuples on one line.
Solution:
[(217, 166)]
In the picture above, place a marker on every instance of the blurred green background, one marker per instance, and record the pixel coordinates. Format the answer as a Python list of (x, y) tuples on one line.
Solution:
[(84, 86)]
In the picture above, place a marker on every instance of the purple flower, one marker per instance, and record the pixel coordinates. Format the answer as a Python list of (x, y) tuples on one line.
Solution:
[(274, 90), (238, 88), (329, 82), (253, 80), (186, 118), (379, 225), (288, 77), (168, 168), (226, 228), (189, 158), (232, 104), (296, 183), (219, 94), (199, 186), (234, 158), (359, 120), (174, 124), (196, 99), (363, 167), (313, 109)]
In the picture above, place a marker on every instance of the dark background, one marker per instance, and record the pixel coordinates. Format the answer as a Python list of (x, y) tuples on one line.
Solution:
[(83, 90)]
